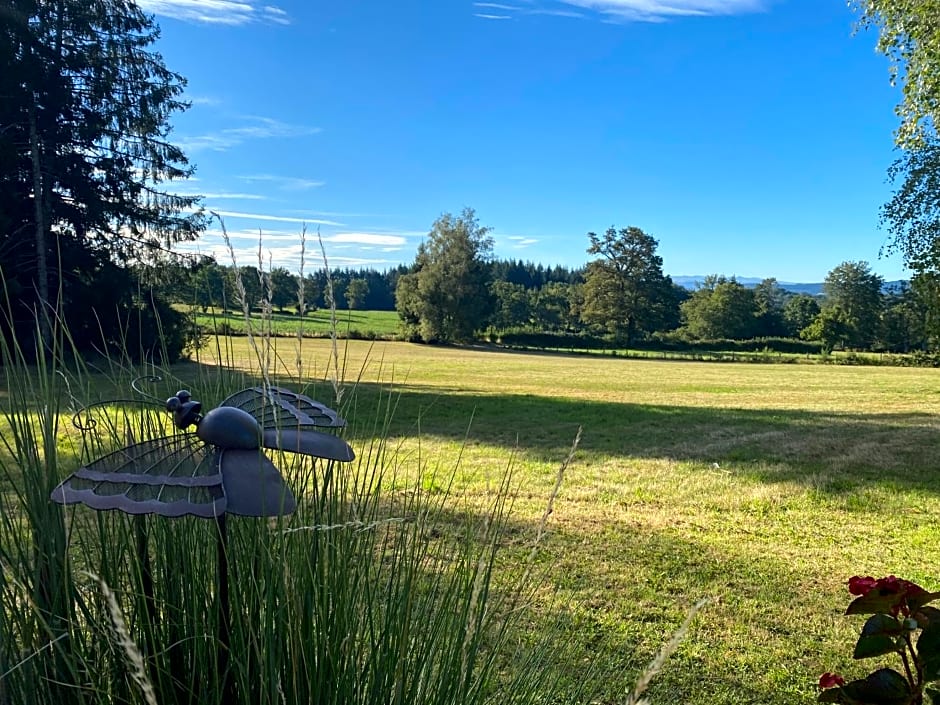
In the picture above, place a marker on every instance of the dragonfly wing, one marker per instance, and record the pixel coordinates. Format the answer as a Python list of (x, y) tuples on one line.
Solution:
[(172, 476), (276, 407), (253, 486), (305, 406), (291, 422), (308, 442)]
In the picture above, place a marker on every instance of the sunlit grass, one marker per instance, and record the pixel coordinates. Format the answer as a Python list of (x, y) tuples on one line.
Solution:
[(361, 324), (380, 588), (763, 486)]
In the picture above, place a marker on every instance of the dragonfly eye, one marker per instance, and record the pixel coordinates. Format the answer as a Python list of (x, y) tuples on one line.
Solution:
[(184, 396), (173, 403)]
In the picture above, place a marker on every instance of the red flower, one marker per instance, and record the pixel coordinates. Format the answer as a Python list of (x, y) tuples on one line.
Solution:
[(862, 586), (830, 680), (888, 586)]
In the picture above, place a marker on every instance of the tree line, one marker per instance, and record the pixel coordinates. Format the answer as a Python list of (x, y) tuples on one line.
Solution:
[(451, 294), (205, 284), (456, 291)]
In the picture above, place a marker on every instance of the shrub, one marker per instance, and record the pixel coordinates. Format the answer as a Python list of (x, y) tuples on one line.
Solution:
[(670, 342), (530, 339)]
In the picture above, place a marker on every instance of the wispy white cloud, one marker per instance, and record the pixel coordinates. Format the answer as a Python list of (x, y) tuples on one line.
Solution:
[(635, 10), (252, 234), (331, 214), (367, 239), (202, 100), (289, 183), (390, 238), (275, 14), (397, 233), (258, 128), (279, 244), (519, 241), (653, 10), (270, 127), (245, 249), (555, 12), (491, 17), (495, 6), (224, 196), (264, 217), (216, 142), (224, 12)]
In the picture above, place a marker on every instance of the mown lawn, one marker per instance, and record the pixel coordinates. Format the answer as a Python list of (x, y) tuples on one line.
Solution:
[(763, 487), (363, 324)]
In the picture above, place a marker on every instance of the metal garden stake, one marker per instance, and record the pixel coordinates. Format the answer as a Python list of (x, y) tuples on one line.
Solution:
[(218, 470)]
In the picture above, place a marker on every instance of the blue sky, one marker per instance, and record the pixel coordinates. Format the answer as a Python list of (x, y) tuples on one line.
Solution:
[(750, 137)]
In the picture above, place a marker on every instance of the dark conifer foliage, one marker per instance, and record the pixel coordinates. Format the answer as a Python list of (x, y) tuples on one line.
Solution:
[(85, 161)]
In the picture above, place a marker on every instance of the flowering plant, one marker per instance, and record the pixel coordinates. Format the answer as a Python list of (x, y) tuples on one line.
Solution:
[(903, 623)]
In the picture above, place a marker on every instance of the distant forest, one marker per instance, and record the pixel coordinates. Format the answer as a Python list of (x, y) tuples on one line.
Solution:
[(207, 283), (556, 306)]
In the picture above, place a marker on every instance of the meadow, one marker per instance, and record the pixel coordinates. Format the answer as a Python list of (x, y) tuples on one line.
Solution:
[(319, 323), (759, 487), (386, 325), (763, 487)]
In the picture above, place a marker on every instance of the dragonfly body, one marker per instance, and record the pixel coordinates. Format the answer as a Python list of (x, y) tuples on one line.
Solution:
[(230, 428), (219, 469)]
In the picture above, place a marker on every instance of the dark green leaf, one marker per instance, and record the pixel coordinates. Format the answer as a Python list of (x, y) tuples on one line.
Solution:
[(883, 687), (832, 695), (882, 624), (928, 644), (926, 616), (934, 695), (871, 646), (918, 601), (889, 682), (872, 603), (932, 668)]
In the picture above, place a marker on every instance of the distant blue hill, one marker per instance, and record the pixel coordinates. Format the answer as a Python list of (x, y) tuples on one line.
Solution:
[(813, 289)]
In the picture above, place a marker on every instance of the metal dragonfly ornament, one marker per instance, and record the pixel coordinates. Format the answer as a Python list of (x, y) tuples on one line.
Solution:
[(219, 469)]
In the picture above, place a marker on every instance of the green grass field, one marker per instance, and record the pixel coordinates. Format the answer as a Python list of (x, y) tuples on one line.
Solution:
[(365, 324), (763, 487)]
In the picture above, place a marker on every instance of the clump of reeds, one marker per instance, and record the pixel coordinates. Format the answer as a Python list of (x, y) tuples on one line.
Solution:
[(364, 596), (346, 601)]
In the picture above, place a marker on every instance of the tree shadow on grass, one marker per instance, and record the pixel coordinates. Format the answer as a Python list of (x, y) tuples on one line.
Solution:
[(625, 601), (780, 445), (776, 445)]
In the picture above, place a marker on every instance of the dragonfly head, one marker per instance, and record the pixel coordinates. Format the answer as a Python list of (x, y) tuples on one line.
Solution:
[(185, 409)]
